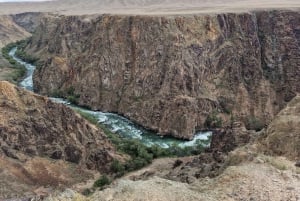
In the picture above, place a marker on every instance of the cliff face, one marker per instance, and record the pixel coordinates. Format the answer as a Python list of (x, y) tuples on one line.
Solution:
[(10, 31), (35, 126), (170, 73)]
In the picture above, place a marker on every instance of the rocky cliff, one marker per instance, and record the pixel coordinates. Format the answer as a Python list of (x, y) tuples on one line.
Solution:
[(35, 126), (10, 31), (170, 73)]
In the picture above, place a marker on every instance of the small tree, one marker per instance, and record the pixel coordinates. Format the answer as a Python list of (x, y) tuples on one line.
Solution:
[(102, 181)]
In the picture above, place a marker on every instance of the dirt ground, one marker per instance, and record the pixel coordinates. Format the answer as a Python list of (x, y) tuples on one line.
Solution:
[(155, 7)]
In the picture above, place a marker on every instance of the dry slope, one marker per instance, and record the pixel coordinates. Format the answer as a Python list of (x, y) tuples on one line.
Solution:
[(283, 134), (45, 144)]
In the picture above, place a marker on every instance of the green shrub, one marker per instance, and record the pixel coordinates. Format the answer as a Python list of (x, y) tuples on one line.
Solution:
[(140, 154), (102, 181), (68, 94), (253, 123), (25, 57), (73, 99), (117, 167), (91, 118), (19, 70), (213, 121), (87, 192)]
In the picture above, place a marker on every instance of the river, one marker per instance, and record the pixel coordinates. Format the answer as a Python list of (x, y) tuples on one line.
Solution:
[(116, 123)]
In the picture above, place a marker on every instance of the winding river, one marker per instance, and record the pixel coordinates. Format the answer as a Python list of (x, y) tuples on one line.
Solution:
[(118, 124)]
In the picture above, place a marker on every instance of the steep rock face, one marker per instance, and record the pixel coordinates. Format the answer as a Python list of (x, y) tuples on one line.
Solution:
[(10, 31), (36, 126), (170, 73), (29, 21)]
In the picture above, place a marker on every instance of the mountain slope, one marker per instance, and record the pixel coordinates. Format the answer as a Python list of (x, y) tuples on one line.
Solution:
[(46, 144)]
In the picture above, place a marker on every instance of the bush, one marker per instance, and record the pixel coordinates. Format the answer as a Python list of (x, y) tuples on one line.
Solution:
[(73, 99), (117, 167), (87, 192), (102, 181), (68, 94), (56, 93), (253, 123), (213, 121), (25, 57)]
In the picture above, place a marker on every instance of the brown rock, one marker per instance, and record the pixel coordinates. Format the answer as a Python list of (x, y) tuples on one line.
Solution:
[(170, 73), (36, 126), (283, 134)]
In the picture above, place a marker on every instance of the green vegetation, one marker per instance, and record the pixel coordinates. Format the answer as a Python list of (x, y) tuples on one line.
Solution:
[(20, 53), (68, 94), (213, 121), (19, 70), (87, 192), (140, 154), (102, 181), (253, 123)]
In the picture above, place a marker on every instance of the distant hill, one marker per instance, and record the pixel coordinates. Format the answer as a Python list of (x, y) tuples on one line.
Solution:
[(72, 7)]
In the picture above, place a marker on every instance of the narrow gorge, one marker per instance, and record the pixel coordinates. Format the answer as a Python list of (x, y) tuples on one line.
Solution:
[(170, 73), (130, 100)]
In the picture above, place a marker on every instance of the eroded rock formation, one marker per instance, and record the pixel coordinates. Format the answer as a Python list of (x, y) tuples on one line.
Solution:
[(35, 126), (170, 73), (283, 134)]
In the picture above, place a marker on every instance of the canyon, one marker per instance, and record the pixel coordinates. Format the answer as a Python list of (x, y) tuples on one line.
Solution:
[(169, 74), (173, 68)]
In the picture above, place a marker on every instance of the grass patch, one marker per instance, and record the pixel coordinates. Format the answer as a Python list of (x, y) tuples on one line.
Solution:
[(277, 163)]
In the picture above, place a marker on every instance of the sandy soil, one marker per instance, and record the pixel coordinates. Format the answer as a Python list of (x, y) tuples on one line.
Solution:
[(155, 7), (264, 178)]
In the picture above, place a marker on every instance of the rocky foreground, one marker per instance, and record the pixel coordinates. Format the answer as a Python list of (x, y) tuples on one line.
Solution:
[(46, 144), (255, 171)]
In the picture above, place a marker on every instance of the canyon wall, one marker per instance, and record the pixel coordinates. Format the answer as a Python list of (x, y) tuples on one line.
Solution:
[(169, 73), (10, 31), (35, 126)]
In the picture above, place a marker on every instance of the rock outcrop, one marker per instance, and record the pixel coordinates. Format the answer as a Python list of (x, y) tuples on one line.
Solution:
[(35, 126), (170, 73), (283, 135)]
